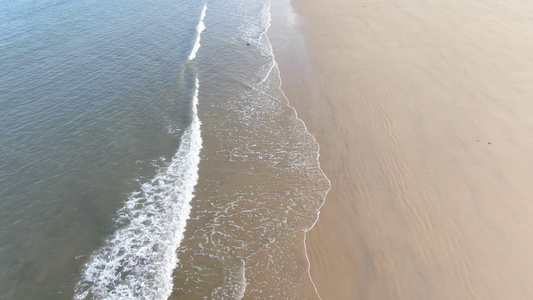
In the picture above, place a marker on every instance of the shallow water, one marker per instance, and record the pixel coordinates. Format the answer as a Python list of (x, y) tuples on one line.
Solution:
[(104, 110)]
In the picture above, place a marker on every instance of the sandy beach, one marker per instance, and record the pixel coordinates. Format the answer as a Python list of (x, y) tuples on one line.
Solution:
[(423, 112)]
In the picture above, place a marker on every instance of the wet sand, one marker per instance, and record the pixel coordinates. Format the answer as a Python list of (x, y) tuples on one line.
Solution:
[(424, 114)]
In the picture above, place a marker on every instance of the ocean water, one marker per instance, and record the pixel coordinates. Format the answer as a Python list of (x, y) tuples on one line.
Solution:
[(147, 151)]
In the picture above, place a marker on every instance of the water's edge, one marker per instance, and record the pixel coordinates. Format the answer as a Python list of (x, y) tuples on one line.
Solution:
[(317, 155)]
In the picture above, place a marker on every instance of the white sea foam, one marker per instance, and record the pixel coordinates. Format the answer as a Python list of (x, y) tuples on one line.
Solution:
[(138, 260), (199, 28)]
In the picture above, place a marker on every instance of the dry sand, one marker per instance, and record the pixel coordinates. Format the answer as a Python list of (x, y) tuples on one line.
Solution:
[(424, 114)]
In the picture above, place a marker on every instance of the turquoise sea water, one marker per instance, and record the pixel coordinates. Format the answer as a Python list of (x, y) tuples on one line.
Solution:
[(111, 115)]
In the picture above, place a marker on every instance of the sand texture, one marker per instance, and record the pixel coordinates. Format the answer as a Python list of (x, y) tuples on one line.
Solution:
[(424, 114)]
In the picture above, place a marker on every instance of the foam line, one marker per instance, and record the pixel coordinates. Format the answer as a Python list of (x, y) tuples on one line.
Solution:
[(199, 28), (138, 260)]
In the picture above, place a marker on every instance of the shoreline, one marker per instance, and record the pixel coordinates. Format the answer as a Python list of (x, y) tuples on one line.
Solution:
[(293, 60), (422, 118), (277, 12)]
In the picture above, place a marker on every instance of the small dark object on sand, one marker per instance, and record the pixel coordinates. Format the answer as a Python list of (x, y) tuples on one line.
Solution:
[(247, 44)]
